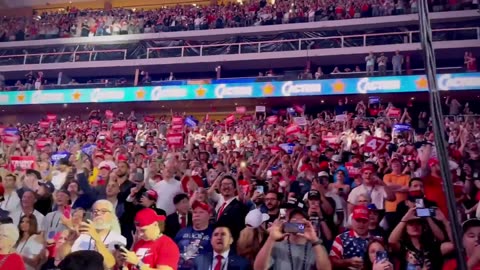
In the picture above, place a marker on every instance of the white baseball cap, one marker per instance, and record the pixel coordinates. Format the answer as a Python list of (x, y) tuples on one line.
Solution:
[(255, 218)]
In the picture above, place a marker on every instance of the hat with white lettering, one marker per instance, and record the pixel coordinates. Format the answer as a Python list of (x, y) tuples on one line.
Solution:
[(255, 218)]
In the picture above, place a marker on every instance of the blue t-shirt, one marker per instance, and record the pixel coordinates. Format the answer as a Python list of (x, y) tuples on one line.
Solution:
[(191, 244)]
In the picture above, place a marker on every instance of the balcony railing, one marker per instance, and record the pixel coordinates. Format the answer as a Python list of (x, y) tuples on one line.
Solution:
[(308, 43), (406, 37)]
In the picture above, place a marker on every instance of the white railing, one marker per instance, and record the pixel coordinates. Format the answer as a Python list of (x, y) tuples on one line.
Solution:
[(234, 48), (42, 58), (298, 44)]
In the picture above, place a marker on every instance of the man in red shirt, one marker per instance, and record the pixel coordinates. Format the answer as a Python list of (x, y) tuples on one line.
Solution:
[(153, 250)]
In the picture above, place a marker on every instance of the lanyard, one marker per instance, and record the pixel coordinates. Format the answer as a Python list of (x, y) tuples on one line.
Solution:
[(53, 218), (26, 242), (291, 256), (91, 239)]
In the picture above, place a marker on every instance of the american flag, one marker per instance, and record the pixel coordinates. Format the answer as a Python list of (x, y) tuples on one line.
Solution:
[(348, 245)]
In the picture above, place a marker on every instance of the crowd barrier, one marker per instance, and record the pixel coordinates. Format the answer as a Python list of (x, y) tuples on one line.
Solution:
[(365, 85)]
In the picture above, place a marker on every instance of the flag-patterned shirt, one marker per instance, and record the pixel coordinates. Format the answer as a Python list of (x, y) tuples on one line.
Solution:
[(348, 245)]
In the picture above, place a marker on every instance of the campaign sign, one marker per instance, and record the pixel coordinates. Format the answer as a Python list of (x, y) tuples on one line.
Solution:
[(22, 162), (288, 147), (59, 155)]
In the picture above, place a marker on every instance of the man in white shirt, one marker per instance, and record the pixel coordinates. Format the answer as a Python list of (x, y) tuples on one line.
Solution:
[(102, 233), (166, 190), (28, 201), (107, 228), (375, 188), (11, 202)]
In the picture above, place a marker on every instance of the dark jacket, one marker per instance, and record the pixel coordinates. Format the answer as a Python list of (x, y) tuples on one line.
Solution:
[(233, 217), (235, 262), (172, 226)]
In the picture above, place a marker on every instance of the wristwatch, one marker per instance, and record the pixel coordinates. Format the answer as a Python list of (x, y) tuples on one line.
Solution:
[(318, 242)]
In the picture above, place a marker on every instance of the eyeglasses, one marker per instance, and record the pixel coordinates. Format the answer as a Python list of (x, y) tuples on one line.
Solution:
[(100, 211)]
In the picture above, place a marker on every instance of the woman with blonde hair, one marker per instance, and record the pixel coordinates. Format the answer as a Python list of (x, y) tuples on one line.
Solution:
[(8, 258), (253, 236), (30, 244)]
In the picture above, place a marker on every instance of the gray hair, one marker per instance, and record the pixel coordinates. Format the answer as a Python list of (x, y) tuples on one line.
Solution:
[(10, 231), (364, 195), (115, 225)]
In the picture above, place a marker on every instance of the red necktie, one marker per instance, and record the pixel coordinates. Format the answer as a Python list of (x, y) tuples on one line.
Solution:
[(218, 266), (220, 211), (183, 219)]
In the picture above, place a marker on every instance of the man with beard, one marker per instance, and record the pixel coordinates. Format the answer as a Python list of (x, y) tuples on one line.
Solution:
[(100, 233), (272, 203)]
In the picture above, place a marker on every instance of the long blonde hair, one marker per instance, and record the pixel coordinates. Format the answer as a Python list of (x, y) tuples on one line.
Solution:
[(250, 242)]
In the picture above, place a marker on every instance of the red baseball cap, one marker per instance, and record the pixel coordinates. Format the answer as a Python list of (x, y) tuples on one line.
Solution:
[(360, 212), (202, 205), (147, 217), (432, 162)]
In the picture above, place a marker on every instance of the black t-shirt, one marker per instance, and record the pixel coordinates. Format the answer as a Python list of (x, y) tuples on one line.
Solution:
[(428, 258), (402, 209)]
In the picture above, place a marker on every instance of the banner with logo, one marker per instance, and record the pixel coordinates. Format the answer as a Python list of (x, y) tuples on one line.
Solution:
[(89, 148), (22, 162), (177, 120), (51, 117), (273, 119), (293, 129), (331, 139), (230, 120), (44, 124), (339, 86), (341, 118), (120, 125), (394, 113), (241, 109)]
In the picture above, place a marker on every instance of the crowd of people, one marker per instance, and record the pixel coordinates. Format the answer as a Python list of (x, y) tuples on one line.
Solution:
[(119, 21), (358, 187)]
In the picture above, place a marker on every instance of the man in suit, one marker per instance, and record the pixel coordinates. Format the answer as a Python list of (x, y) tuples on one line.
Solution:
[(222, 257), (230, 211), (182, 218)]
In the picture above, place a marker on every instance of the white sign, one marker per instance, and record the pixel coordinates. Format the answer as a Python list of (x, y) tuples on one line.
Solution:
[(341, 118), (446, 82), (99, 95), (46, 97), (222, 91), (288, 89), (260, 108), (364, 85), (301, 121), (165, 93)]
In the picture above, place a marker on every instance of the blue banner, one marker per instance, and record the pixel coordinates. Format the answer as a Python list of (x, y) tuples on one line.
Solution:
[(366, 85), (88, 149), (59, 155), (288, 147)]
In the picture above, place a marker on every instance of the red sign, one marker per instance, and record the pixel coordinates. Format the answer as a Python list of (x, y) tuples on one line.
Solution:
[(292, 129), (42, 142), (119, 125), (275, 150), (9, 139), (51, 117), (149, 118), (95, 122), (330, 138), (44, 124), (247, 117), (22, 162), (272, 119), (177, 120), (175, 139), (230, 119), (375, 144), (394, 112), (353, 169), (241, 109), (298, 108), (177, 127)]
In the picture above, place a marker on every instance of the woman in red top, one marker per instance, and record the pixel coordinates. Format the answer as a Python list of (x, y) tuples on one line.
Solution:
[(8, 258)]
